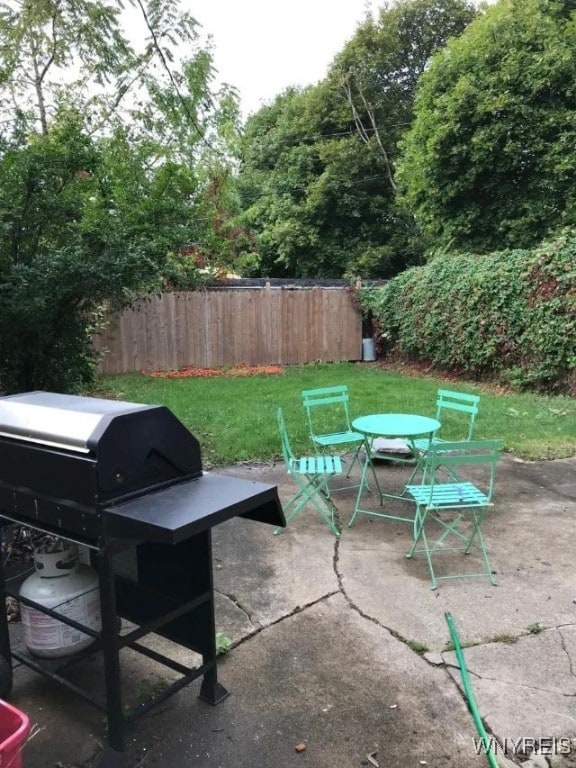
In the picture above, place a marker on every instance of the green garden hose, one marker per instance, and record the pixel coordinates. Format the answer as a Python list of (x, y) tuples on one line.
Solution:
[(468, 692)]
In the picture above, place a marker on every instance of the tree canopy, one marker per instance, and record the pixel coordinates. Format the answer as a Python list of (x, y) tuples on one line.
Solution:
[(317, 179), (489, 161)]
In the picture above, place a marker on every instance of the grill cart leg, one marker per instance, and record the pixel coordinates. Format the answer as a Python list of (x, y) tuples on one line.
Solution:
[(5, 655), (211, 690), (113, 755), (110, 758)]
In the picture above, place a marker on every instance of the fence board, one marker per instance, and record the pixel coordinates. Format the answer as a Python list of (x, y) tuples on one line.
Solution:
[(225, 327)]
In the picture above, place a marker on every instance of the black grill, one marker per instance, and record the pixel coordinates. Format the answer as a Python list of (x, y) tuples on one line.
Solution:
[(126, 481)]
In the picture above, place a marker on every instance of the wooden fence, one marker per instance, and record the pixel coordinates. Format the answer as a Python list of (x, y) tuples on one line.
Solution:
[(212, 327)]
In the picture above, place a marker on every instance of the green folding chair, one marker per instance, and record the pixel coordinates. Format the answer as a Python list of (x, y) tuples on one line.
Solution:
[(329, 422), (449, 405), (454, 510), (311, 474)]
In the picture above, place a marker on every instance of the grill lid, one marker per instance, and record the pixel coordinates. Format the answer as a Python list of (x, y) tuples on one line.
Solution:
[(61, 421), (87, 451)]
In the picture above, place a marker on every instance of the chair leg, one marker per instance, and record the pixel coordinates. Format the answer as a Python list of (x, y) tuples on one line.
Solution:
[(416, 529), (312, 490), (429, 558), (363, 484), (355, 458), (419, 466), (293, 502), (297, 508), (374, 475), (451, 529), (475, 538), (477, 520), (420, 534), (321, 494)]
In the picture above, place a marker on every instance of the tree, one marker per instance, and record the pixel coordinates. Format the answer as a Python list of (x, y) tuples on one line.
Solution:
[(489, 161), (58, 262), (76, 51), (317, 175), (380, 67), (100, 191), (275, 166)]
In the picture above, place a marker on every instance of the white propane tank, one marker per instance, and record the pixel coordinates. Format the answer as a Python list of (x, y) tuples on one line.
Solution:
[(65, 585)]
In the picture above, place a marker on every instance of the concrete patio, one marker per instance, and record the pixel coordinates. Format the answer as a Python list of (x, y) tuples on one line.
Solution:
[(340, 656)]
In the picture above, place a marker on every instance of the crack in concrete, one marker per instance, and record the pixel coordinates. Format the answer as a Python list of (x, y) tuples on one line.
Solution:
[(563, 644), (445, 665), (462, 695), (449, 665), (336, 518), (335, 563), (359, 611), (233, 599), (298, 609)]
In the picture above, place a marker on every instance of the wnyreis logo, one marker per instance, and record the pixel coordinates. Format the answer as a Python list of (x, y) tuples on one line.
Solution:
[(524, 746)]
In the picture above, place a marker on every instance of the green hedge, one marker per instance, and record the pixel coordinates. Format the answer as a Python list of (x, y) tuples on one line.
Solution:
[(509, 315)]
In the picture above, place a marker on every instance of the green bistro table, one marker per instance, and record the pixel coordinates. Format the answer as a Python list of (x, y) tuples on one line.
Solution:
[(404, 425)]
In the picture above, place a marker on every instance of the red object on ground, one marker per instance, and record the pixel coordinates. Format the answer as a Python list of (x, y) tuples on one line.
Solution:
[(14, 728)]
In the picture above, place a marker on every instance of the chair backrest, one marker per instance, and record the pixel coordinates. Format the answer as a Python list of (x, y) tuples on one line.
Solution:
[(287, 453), (457, 456), (448, 400), (333, 404)]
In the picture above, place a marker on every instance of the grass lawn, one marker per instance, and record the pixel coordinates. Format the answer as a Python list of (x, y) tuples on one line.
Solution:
[(235, 418)]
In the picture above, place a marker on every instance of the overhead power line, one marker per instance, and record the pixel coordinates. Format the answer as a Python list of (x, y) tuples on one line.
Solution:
[(351, 132)]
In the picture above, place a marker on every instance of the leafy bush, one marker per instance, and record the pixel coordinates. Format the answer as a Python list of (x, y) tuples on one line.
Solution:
[(49, 308), (63, 256), (83, 226), (509, 315)]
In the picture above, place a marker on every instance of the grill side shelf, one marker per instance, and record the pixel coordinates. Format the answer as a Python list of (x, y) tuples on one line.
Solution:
[(174, 514)]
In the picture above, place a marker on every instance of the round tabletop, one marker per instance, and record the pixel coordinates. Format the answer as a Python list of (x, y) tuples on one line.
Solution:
[(395, 425)]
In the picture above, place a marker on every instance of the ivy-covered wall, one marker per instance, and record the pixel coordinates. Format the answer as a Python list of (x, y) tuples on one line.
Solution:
[(509, 315)]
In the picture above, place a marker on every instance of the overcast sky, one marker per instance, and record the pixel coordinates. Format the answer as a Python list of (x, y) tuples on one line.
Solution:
[(263, 46)]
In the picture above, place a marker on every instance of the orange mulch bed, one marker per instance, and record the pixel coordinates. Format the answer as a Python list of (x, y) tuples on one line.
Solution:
[(206, 373)]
